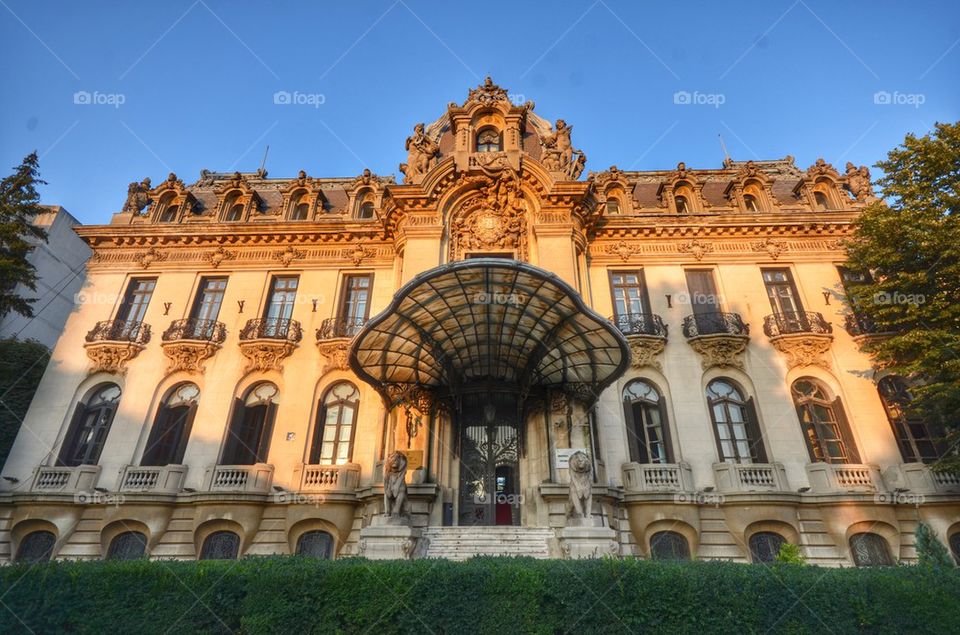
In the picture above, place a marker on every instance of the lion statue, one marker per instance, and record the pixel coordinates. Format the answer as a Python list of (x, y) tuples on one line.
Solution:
[(581, 482), (394, 484)]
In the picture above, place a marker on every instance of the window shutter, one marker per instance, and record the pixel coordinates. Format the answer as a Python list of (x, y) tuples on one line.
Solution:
[(184, 437), (317, 434), (630, 423), (803, 431), (101, 430), (67, 448), (753, 429), (152, 453), (853, 456), (229, 456), (266, 432), (665, 429)]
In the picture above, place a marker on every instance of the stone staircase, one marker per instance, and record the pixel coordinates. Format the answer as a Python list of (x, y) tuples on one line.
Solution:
[(460, 543)]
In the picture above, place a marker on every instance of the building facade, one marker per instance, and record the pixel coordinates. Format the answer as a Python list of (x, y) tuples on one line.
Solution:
[(659, 364), (60, 262)]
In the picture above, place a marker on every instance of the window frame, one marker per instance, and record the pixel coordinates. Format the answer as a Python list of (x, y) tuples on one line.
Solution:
[(95, 430), (879, 543), (638, 427), (320, 424), (208, 546), (817, 444), (750, 422), (642, 296), (679, 544)]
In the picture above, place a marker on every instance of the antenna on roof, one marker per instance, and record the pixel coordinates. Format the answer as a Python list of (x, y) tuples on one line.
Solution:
[(723, 146), (262, 171)]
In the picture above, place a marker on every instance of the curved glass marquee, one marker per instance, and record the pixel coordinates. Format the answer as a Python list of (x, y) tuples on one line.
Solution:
[(489, 320)]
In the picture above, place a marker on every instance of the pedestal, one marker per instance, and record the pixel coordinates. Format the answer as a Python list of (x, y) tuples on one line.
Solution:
[(388, 538), (585, 538)]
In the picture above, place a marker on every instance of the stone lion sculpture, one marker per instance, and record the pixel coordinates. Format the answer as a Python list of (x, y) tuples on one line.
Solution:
[(394, 484), (581, 482)]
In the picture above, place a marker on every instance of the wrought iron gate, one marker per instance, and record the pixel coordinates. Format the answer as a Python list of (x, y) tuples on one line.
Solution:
[(489, 460)]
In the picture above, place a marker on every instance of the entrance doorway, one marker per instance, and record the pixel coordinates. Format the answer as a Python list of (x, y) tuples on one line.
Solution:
[(489, 459)]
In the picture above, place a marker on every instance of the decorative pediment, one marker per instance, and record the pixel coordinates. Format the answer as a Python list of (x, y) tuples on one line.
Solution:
[(237, 198), (682, 192), (612, 186), (751, 190), (823, 179), (491, 218), (487, 94), (822, 168), (303, 190), (171, 200)]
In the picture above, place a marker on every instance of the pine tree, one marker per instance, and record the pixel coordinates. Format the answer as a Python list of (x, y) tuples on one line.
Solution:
[(930, 551), (790, 554), (19, 205), (910, 244)]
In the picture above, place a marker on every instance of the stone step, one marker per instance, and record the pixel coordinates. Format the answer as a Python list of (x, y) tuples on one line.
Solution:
[(461, 543)]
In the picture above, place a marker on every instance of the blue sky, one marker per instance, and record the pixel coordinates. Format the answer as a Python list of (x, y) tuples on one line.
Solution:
[(183, 85)]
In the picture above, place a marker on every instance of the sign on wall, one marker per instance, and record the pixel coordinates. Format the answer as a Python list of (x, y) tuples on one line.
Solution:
[(563, 456)]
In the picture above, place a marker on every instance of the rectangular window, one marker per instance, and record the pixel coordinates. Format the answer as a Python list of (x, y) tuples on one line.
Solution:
[(629, 294), (206, 307), (782, 292), (279, 308), (703, 291), (355, 303), (136, 300)]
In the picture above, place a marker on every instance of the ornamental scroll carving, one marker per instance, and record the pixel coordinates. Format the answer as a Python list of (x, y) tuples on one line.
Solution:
[(493, 219), (111, 357), (336, 352), (644, 351), (266, 355), (188, 356), (804, 350), (723, 351)]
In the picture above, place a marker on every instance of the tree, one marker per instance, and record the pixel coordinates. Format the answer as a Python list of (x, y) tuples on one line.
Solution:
[(19, 205), (910, 244), (790, 554), (930, 551), (21, 366)]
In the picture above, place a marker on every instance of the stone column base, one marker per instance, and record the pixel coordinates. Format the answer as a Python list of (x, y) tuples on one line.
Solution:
[(387, 539), (586, 541)]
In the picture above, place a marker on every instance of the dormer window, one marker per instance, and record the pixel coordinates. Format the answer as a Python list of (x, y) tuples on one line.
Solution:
[(169, 213), (235, 213), (750, 203), (366, 211), (681, 202), (823, 203), (489, 140), (613, 206), (300, 209)]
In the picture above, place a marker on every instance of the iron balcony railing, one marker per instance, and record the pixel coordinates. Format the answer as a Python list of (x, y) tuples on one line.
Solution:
[(717, 323), (194, 329), (120, 331), (795, 322), (271, 329), (339, 327), (858, 325), (640, 324)]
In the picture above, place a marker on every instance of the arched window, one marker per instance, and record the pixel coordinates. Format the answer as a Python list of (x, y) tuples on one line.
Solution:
[(669, 545), (918, 441), (234, 208), (168, 210), (336, 421), (129, 545), (366, 210), (870, 550), (220, 545), (315, 544), (171, 427), (300, 207), (735, 423), (489, 140), (681, 203), (648, 434), (750, 202), (765, 545), (613, 205), (248, 439), (89, 427), (823, 203), (37, 546), (955, 546), (824, 423)]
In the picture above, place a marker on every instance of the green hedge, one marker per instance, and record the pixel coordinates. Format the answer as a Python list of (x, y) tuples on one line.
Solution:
[(484, 595)]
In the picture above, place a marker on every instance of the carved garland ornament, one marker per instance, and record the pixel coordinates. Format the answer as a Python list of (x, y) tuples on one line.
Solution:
[(773, 247), (218, 255), (494, 219), (804, 350), (266, 355), (111, 357), (337, 354), (623, 249), (188, 356), (723, 351), (150, 256), (695, 248), (644, 350)]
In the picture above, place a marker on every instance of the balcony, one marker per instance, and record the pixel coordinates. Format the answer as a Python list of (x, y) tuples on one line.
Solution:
[(266, 342), (657, 477), (750, 477), (327, 478), (65, 480), (719, 338), (920, 478), (647, 335), (167, 479), (804, 337), (189, 343), (333, 340), (863, 329), (247, 479), (112, 343), (838, 478)]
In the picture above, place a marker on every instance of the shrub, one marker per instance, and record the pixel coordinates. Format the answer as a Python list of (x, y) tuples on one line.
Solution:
[(930, 551), (790, 554), (484, 595)]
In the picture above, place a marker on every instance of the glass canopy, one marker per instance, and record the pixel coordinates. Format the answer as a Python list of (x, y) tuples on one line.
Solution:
[(489, 320)]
